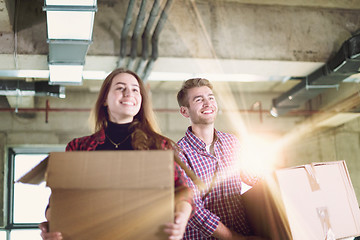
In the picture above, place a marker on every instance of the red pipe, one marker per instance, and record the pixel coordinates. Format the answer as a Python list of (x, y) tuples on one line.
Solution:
[(47, 111), (262, 111), (258, 104)]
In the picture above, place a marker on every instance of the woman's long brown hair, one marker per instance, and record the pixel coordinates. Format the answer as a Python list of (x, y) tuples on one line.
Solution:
[(145, 135)]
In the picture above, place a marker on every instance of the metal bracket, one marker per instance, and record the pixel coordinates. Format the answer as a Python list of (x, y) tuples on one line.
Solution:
[(308, 86)]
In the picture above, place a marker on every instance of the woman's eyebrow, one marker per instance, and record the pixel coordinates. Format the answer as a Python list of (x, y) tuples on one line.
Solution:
[(122, 83)]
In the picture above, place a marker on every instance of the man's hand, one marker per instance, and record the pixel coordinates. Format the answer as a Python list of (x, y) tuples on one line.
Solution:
[(46, 235)]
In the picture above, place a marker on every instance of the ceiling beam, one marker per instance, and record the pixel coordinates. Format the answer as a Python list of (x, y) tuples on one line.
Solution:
[(168, 69)]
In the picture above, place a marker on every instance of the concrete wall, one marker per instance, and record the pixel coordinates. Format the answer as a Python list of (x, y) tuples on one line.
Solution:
[(340, 143)]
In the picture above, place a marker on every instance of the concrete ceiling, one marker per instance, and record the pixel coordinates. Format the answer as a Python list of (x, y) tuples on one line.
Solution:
[(262, 46)]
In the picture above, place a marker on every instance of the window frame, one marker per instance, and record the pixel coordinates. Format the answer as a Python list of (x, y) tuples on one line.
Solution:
[(9, 184)]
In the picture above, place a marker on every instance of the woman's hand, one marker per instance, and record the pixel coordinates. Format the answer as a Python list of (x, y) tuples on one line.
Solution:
[(46, 235), (176, 229)]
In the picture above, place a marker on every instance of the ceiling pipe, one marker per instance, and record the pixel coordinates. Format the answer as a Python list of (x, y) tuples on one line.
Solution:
[(345, 63), (145, 63), (146, 36), (47, 108), (137, 29), (155, 40), (125, 31), (162, 110)]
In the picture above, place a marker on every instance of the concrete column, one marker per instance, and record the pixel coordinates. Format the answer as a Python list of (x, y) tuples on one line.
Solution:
[(2, 171)]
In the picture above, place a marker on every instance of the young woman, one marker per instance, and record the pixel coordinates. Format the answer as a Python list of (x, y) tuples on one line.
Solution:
[(124, 121)]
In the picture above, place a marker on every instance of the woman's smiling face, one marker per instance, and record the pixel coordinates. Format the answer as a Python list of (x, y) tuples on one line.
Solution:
[(124, 99)]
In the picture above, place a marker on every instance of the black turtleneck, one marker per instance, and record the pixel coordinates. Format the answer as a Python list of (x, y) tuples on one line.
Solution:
[(119, 134)]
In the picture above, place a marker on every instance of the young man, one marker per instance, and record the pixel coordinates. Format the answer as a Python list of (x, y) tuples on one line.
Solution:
[(211, 155)]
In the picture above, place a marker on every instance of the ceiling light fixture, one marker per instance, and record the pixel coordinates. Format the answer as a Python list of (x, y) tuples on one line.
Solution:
[(62, 74)]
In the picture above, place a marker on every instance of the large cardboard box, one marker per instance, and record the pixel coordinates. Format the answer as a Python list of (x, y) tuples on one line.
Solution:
[(313, 202), (109, 194)]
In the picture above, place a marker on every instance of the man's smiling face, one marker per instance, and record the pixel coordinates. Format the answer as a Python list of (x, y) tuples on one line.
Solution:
[(202, 107)]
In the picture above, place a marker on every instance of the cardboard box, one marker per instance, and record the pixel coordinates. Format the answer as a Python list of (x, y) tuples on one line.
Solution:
[(265, 211), (315, 201), (109, 194)]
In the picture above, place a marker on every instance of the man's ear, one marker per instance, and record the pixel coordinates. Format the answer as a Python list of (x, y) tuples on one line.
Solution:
[(184, 111)]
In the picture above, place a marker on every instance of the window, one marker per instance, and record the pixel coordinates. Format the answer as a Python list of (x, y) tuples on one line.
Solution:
[(25, 205), (29, 200)]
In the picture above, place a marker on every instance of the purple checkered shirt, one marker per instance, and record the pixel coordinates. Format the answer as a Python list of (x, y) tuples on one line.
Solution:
[(224, 202)]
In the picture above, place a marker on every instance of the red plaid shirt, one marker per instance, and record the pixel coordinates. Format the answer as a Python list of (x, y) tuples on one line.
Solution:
[(89, 143), (224, 202)]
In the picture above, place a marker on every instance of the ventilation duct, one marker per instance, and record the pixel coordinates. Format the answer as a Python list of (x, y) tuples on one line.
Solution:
[(69, 34), (24, 88), (345, 63)]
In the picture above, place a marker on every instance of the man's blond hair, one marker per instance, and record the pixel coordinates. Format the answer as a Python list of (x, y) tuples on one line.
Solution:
[(182, 95)]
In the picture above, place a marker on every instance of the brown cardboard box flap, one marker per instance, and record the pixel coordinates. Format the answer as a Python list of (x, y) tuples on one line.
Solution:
[(36, 175), (110, 169)]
